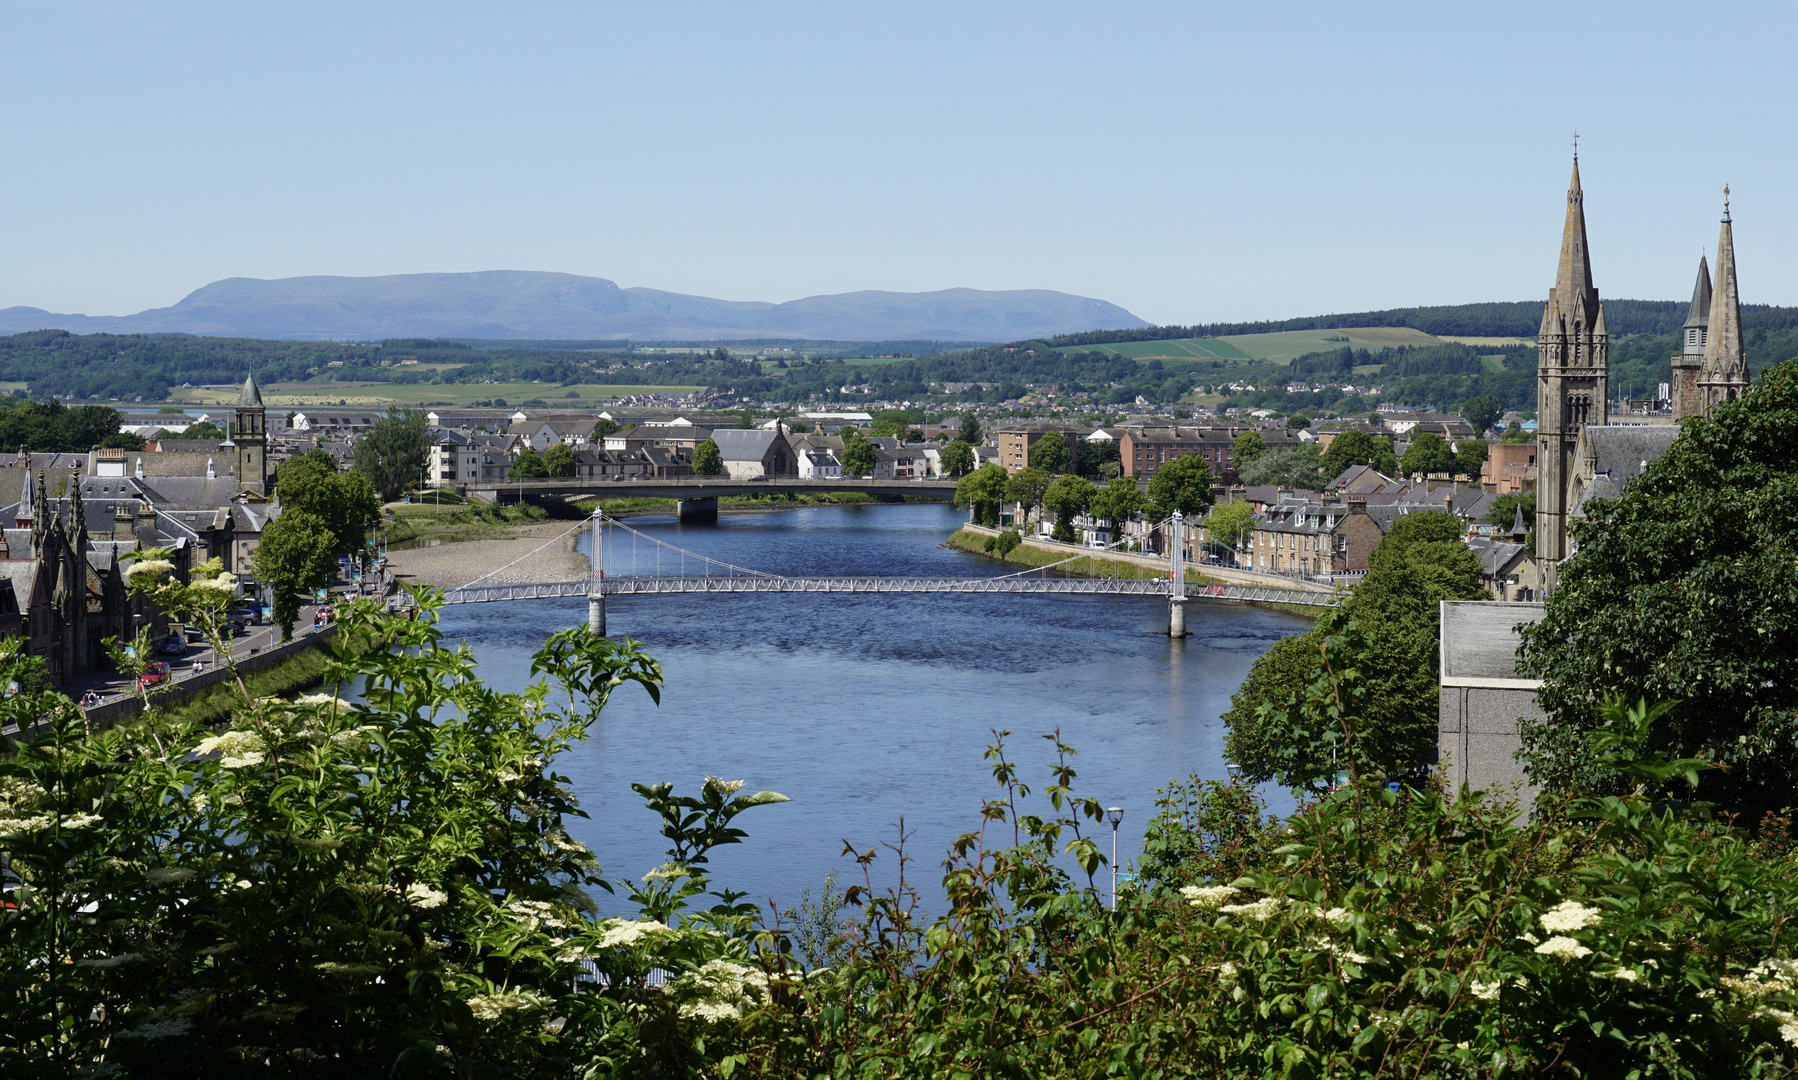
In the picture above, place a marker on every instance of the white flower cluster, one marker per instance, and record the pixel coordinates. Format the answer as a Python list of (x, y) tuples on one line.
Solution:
[(624, 932), (1261, 910), (724, 989), (236, 749), (1570, 915), (1769, 977), (1207, 897), (535, 914), (494, 1006), (31, 823), (150, 568), (1343, 952), (159, 1029), (168, 875), (109, 961), (724, 788), (20, 794), (1565, 948), (224, 583), (424, 897)]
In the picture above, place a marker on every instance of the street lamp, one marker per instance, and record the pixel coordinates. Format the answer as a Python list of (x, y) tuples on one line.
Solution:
[(1114, 814), (1235, 771)]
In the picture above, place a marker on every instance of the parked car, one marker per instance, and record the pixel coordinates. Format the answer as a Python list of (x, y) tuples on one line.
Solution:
[(173, 645), (154, 675), (233, 627)]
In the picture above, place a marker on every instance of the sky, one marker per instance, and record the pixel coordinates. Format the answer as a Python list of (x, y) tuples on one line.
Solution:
[(1192, 162)]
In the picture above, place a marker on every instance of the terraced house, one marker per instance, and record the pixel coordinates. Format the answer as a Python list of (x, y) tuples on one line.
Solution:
[(1142, 450)]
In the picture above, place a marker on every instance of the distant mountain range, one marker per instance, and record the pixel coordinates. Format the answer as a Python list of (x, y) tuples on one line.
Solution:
[(520, 304)]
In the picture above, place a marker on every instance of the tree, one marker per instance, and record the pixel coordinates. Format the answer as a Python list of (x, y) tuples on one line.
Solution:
[(860, 457), (1428, 453), (1183, 484), (529, 466), (1355, 447), (204, 429), (1482, 411), (1231, 523), (970, 432), (393, 451), (1248, 446), (344, 503), (1119, 502), (1514, 434), (1470, 458), (602, 428), (1050, 453), (1385, 632), (1025, 488), (122, 440), (982, 490), (957, 458), (1068, 496), (1503, 511), (558, 460), (296, 555), (1295, 467), (1681, 591), (708, 460), (1297, 422)]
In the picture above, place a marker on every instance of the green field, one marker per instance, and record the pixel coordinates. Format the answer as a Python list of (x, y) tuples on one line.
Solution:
[(1278, 348), (330, 393)]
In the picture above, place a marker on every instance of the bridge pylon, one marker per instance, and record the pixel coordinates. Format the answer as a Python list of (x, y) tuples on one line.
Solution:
[(596, 589), (1176, 576)]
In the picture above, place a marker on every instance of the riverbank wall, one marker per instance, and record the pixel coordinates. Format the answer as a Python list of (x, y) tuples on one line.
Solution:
[(292, 665)]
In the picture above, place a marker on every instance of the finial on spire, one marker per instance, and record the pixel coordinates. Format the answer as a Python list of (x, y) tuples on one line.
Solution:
[(1576, 146), (1725, 202)]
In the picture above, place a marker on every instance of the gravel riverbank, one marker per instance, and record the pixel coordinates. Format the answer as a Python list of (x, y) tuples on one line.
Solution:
[(451, 564)]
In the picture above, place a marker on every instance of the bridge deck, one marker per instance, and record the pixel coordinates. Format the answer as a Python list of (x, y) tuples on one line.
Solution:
[(1078, 586)]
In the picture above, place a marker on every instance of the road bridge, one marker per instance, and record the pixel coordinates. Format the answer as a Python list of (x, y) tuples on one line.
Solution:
[(704, 574), (697, 497)]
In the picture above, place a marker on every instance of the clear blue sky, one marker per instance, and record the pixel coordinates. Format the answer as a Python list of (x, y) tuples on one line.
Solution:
[(1189, 161)]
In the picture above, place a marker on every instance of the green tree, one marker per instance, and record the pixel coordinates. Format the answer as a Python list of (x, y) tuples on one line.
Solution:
[(1503, 511), (1428, 453), (122, 440), (1050, 453), (970, 432), (860, 457), (1355, 447), (957, 458), (1681, 591), (1231, 523), (708, 460), (1026, 488), (1482, 411), (296, 555), (1470, 458), (393, 451), (1183, 484), (1295, 467), (1297, 422), (528, 466), (1119, 502), (1248, 446), (1068, 496), (344, 503), (1514, 434), (603, 427), (983, 490), (204, 429), (1385, 634), (558, 460)]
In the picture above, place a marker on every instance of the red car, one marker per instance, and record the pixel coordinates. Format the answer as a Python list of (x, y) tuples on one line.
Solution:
[(154, 675)]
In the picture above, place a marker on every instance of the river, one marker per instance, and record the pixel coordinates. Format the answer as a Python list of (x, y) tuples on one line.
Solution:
[(867, 708)]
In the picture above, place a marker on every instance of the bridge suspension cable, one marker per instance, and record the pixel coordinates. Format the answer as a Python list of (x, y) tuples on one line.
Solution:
[(661, 545)]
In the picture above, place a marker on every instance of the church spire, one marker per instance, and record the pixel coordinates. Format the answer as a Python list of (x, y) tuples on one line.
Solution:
[(1724, 371), (1700, 312), (1573, 305)]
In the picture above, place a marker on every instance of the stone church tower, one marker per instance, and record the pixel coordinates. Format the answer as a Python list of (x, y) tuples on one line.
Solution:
[(251, 439), (1723, 370), (1690, 358), (1572, 376)]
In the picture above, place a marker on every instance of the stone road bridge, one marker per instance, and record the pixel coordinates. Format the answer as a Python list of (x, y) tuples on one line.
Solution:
[(696, 499)]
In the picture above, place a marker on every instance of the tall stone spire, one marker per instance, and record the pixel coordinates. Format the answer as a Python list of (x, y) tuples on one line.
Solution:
[(1723, 373), (1572, 380), (1690, 357), (25, 512)]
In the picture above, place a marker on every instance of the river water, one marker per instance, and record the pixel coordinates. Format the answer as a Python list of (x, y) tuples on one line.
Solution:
[(868, 708)]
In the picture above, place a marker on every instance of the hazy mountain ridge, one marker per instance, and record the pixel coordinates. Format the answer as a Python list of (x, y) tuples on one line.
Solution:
[(528, 304)]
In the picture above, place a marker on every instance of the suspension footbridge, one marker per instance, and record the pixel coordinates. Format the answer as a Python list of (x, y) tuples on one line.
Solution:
[(634, 563)]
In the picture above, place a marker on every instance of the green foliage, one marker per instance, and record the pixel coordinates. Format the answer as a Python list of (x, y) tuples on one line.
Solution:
[(1482, 411), (528, 466), (1026, 488), (393, 451), (204, 429), (860, 458), (1231, 523), (1298, 467), (1470, 458), (1007, 542), (1682, 588), (122, 440), (1297, 422), (1182, 485), (296, 555), (1248, 446), (1503, 511), (957, 458), (1068, 496), (1050, 453), (969, 432), (344, 503), (603, 427), (1428, 453), (1120, 501), (1385, 655), (983, 490), (54, 427), (558, 460), (1356, 447), (708, 460), (1514, 434), (1205, 832)]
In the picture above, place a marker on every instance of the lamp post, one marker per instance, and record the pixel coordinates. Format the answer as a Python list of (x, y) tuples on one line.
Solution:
[(1114, 814), (1235, 771)]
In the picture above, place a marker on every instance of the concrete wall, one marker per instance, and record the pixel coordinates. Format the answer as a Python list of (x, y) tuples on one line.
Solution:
[(1482, 698), (188, 684)]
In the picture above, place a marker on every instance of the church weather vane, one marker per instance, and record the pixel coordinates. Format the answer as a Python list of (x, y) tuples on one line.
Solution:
[(1576, 145)]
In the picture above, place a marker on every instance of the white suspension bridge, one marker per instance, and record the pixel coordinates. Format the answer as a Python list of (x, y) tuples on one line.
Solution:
[(650, 566)]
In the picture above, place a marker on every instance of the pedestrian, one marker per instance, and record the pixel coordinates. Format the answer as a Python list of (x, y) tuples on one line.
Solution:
[(198, 666)]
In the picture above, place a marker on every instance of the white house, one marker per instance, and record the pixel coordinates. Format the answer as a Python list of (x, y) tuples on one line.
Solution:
[(818, 463), (455, 459)]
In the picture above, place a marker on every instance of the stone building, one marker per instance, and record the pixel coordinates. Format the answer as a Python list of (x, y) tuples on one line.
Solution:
[(1712, 364)]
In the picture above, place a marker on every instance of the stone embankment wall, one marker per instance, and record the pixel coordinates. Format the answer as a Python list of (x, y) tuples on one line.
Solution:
[(113, 711), (1221, 574)]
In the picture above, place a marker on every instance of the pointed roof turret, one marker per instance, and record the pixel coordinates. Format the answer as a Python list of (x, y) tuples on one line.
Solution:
[(22, 516), (1700, 312), (1574, 299), (1518, 528), (1723, 352), (251, 396)]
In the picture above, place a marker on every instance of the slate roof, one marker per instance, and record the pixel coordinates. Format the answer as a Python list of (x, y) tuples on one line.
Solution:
[(744, 444), (1622, 451)]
